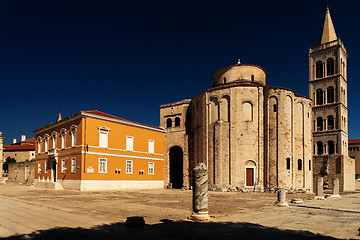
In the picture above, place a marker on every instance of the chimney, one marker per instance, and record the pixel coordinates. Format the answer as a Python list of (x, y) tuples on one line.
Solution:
[(23, 137), (14, 140)]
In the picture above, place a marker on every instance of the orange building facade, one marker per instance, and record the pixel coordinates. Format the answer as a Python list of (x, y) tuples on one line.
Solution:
[(92, 150)]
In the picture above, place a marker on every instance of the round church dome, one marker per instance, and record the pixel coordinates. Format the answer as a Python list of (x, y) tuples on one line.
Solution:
[(241, 73)]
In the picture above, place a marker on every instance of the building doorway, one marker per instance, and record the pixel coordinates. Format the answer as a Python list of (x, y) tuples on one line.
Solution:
[(250, 173), (53, 171), (176, 167)]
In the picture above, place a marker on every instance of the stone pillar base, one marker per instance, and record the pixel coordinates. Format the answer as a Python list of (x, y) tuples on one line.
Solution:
[(334, 196), (200, 216), (281, 204)]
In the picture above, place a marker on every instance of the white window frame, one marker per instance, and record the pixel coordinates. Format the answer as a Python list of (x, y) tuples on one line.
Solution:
[(46, 143), (73, 165), (102, 169), (151, 146), (151, 168), (103, 135), (129, 143), (54, 138), (73, 135), (129, 166), (63, 138), (46, 166), (63, 167), (39, 167), (39, 145)]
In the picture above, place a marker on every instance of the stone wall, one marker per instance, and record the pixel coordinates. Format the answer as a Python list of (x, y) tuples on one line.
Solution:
[(22, 172), (339, 166)]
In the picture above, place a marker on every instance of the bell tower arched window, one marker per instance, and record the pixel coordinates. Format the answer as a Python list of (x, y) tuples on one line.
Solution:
[(331, 146), (320, 148), (177, 122), (330, 95), (319, 124), (330, 120), (319, 97), (319, 69), (168, 123), (330, 63)]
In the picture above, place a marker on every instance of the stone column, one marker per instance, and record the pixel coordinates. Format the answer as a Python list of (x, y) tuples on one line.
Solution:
[(336, 187), (200, 191), (320, 189), (281, 194)]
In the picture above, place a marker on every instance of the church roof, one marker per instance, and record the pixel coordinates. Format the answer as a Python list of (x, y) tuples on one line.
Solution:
[(328, 31)]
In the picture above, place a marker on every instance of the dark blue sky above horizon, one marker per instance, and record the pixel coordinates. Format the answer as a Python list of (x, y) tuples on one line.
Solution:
[(128, 58)]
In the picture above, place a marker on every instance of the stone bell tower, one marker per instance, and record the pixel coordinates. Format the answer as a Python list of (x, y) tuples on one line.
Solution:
[(328, 90)]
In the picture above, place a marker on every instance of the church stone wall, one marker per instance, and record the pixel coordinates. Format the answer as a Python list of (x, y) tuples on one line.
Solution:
[(289, 142)]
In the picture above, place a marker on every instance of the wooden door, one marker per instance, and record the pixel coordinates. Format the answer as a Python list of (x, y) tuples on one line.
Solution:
[(249, 177)]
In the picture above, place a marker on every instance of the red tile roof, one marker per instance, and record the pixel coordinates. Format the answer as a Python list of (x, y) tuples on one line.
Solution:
[(96, 112), (30, 140), (19, 148), (354, 141)]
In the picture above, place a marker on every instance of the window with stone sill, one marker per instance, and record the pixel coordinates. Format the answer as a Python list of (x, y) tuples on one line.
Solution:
[(102, 165), (168, 123), (46, 166), (73, 165), (129, 143), (63, 135), (288, 164), (299, 164), (63, 168), (129, 167), (73, 135), (177, 122), (151, 168)]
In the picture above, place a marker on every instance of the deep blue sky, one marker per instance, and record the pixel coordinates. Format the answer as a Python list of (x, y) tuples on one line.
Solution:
[(128, 58)]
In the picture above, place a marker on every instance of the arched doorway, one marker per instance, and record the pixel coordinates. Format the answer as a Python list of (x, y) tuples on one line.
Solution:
[(176, 167), (250, 173)]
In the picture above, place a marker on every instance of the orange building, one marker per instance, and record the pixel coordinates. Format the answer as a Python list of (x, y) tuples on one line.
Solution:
[(92, 150)]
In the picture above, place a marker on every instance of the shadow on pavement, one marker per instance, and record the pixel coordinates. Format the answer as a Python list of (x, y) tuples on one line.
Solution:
[(173, 230)]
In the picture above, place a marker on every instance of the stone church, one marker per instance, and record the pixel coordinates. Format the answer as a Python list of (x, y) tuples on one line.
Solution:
[(260, 137)]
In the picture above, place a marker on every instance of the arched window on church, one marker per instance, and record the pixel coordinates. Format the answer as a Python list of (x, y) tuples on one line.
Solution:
[(299, 164), (288, 163), (331, 147), (319, 97), (319, 69), (320, 148), (319, 124), (224, 80), (330, 63), (168, 123), (309, 165), (177, 122), (248, 112), (225, 109), (214, 110), (330, 95), (330, 120)]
